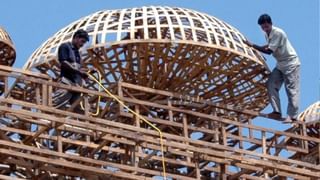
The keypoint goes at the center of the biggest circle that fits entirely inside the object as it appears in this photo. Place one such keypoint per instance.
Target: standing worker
(287, 69)
(71, 72)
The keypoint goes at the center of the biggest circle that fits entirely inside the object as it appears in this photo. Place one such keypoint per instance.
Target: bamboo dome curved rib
(7, 50)
(169, 48)
(311, 114)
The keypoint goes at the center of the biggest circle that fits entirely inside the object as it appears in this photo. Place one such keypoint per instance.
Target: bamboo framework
(186, 72)
(41, 142)
(311, 116)
(7, 53)
(7, 50)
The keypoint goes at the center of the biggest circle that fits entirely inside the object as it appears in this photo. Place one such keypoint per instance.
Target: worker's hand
(83, 74)
(266, 47)
(250, 44)
(88, 70)
(92, 70)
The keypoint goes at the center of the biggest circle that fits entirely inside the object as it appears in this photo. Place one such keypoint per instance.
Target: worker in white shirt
(287, 70)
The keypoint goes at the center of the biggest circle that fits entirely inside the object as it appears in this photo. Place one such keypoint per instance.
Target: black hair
(81, 34)
(264, 18)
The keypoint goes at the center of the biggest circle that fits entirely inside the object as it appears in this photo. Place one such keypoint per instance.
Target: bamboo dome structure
(7, 50)
(311, 114)
(7, 53)
(174, 49)
(311, 117)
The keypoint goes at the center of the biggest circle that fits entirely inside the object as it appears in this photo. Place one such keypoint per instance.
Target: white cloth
(282, 49)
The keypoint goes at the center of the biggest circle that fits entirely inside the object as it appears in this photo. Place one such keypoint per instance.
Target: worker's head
(265, 23)
(80, 37)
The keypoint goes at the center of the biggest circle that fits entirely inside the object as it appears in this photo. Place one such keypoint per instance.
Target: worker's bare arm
(264, 49)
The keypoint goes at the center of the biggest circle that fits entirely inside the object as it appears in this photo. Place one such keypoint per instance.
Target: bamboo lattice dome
(312, 113)
(7, 50)
(311, 117)
(174, 49)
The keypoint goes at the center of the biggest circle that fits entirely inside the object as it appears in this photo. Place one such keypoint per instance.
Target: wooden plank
(38, 95)
(4, 177)
(44, 94)
(198, 175)
(264, 146)
(68, 164)
(59, 140)
(250, 130)
(240, 135)
(87, 113)
(120, 93)
(137, 148)
(24, 71)
(6, 86)
(223, 172)
(170, 111)
(304, 133)
(50, 94)
(72, 157)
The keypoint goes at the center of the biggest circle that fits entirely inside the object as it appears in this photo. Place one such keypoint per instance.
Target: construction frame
(187, 73)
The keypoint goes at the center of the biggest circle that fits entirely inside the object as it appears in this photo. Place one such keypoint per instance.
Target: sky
(32, 22)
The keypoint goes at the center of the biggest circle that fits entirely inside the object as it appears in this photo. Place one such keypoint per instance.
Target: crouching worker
(71, 71)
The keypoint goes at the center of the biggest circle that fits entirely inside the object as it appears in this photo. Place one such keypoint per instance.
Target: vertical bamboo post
(44, 94)
(264, 148)
(120, 93)
(170, 111)
(50, 94)
(185, 131)
(137, 148)
(224, 167)
(87, 113)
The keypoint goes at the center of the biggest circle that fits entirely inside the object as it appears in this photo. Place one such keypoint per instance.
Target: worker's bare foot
(274, 115)
(289, 120)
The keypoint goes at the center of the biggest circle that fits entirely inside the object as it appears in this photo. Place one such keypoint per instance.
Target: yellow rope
(99, 98)
(133, 112)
